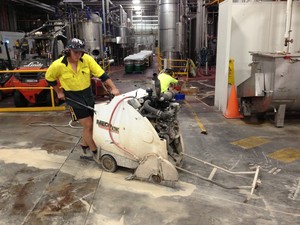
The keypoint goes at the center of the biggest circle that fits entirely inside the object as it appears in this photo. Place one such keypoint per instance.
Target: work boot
(96, 157)
(86, 153)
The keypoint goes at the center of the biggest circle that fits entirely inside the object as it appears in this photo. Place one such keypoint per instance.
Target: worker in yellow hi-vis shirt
(73, 71)
(166, 79)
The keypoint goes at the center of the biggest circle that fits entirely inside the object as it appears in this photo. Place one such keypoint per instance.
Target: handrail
(32, 109)
(23, 71)
(182, 70)
(106, 64)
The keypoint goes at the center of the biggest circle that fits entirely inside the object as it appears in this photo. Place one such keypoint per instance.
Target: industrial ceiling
(147, 6)
(30, 14)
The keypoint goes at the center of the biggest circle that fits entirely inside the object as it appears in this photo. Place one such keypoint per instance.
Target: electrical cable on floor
(54, 126)
(50, 182)
(93, 198)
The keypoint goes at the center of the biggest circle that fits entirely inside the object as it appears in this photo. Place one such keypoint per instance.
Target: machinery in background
(6, 81)
(90, 30)
(38, 49)
(272, 86)
(10, 38)
(119, 34)
(108, 35)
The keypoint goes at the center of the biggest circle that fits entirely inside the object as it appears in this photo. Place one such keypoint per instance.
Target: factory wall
(252, 26)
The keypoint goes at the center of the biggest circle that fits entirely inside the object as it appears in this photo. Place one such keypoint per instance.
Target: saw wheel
(155, 179)
(108, 163)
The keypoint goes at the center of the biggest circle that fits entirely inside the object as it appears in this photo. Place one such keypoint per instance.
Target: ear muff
(67, 52)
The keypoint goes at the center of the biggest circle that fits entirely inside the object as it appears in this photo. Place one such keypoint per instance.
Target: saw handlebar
(83, 105)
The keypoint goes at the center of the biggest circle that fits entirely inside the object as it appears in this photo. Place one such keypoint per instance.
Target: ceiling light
(136, 1)
(137, 7)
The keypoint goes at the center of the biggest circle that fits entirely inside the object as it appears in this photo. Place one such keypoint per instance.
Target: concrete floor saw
(139, 130)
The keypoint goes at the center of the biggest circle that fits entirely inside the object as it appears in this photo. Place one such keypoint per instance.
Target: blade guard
(156, 169)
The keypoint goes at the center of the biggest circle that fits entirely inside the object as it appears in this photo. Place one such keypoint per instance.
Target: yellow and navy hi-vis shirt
(165, 81)
(70, 80)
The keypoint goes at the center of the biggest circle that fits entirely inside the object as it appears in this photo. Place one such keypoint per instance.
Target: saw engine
(162, 113)
(140, 130)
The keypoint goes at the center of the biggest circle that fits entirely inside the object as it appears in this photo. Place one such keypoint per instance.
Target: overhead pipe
(38, 4)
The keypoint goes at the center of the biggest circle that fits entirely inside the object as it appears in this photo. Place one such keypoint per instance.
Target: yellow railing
(180, 66)
(159, 61)
(32, 109)
(23, 71)
(105, 64)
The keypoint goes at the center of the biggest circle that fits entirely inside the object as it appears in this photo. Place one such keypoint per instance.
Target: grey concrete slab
(44, 181)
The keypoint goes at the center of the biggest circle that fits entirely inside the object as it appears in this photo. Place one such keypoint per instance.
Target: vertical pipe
(288, 25)
(4, 18)
(190, 38)
(8, 56)
(104, 19)
(107, 12)
(199, 27)
(203, 34)
(1, 19)
(205, 39)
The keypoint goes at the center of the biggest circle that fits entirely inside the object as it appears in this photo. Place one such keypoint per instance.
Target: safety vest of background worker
(166, 79)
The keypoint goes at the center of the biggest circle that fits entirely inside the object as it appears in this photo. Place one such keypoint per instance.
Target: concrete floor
(44, 181)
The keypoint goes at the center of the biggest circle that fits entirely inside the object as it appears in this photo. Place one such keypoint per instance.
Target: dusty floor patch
(250, 142)
(286, 155)
(117, 180)
(32, 157)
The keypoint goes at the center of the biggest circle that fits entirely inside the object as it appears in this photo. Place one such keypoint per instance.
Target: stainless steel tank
(168, 17)
(91, 32)
(124, 32)
(122, 38)
(273, 84)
